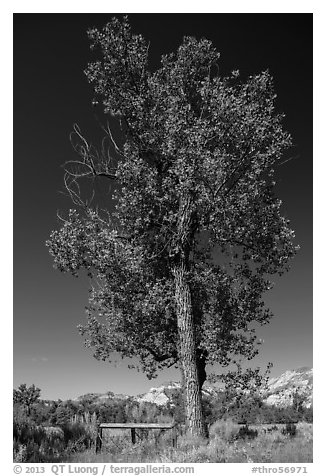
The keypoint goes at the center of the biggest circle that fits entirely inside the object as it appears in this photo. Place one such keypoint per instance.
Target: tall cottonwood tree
(181, 261)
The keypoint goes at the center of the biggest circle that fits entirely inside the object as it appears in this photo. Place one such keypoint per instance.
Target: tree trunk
(186, 331)
(185, 321)
(201, 356)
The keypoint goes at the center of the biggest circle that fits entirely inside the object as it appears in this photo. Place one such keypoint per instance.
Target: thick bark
(201, 356)
(192, 391)
(185, 321)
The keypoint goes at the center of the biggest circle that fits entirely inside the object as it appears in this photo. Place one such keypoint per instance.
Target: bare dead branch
(108, 175)
(290, 158)
(61, 219)
(82, 138)
(74, 195)
(117, 149)
(89, 165)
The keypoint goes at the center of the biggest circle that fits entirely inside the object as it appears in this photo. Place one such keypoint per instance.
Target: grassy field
(223, 446)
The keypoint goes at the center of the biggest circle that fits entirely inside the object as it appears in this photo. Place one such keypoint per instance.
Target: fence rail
(133, 427)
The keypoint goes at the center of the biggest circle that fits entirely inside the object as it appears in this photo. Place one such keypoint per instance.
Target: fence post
(99, 439)
(174, 437)
(133, 436)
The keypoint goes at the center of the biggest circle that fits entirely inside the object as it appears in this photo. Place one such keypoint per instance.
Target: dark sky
(51, 93)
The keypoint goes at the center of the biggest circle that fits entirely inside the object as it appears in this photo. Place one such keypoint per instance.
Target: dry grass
(221, 447)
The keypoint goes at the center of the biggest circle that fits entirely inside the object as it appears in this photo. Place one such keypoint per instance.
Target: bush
(227, 430)
(77, 437)
(246, 432)
(27, 441)
(290, 429)
(186, 443)
(38, 444)
(26, 431)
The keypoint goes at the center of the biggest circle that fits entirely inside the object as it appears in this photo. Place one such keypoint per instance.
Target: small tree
(183, 253)
(26, 396)
(298, 400)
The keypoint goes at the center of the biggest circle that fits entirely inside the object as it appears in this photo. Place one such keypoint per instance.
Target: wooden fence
(133, 427)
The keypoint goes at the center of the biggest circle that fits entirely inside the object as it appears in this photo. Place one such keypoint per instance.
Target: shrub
(186, 443)
(20, 455)
(27, 441)
(38, 444)
(77, 437)
(227, 430)
(35, 444)
(25, 431)
(246, 432)
(290, 429)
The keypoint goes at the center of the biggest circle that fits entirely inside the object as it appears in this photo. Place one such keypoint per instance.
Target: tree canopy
(26, 396)
(193, 231)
